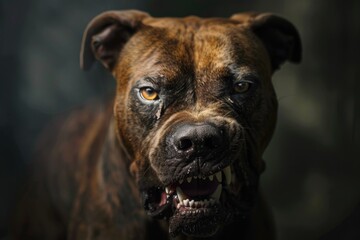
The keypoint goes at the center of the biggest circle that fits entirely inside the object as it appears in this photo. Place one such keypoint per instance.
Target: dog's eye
(242, 87)
(149, 93)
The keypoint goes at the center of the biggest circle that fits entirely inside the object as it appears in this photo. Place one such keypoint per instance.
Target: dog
(178, 152)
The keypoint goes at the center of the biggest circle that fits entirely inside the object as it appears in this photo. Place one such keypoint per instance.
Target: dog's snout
(197, 138)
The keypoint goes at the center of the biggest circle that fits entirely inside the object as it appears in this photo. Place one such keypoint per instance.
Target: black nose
(197, 138)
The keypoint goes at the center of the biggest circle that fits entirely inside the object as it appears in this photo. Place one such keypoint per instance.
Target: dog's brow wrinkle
(160, 109)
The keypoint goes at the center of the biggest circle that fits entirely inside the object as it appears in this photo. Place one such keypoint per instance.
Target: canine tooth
(178, 205)
(211, 177)
(167, 190)
(227, 173)
(180, 194)
(186, 202)
(219, 176)
(191, 203)
(217, 193)
(189, 179)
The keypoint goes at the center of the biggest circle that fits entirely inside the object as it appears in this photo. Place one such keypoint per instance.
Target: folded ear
(106, 34)
(279, 36)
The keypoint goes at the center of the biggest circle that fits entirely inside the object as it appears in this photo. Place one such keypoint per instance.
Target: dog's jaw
(199, 211)
(201, 206)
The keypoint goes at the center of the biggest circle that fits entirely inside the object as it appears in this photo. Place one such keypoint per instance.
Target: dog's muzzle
(201, 179)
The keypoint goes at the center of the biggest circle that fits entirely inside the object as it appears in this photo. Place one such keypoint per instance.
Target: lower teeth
(196, 204)
(184, 202)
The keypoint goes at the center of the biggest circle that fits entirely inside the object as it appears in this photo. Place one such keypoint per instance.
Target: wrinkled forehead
(195, 47)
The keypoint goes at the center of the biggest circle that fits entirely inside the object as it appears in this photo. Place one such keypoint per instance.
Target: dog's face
(195, 108)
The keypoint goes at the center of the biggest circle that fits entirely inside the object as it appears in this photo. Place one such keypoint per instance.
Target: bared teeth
(183, 200)
(219, 176)
(217, 193)
(227, 173)
(196, 204)
(180, 194)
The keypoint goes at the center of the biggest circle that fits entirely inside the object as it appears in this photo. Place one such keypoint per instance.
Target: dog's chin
(202, 222)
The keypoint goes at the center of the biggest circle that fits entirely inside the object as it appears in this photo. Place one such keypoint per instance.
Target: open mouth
(201, 205)
(190, 196)
(196, 194)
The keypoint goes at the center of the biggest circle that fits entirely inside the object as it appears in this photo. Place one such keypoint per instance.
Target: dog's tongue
(198, 187)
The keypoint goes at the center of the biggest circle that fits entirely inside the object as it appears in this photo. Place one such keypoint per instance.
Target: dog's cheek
(141, 118)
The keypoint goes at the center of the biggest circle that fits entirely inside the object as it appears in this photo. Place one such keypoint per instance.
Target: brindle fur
(85, 182)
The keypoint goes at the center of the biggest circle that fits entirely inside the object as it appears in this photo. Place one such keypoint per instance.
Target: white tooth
(186, 202)
(211, 177)
(227, 173)
(180, 194)
(189, 179)
(195, 177)
(219, 176)
(206, 203)
(217, 193)
(178, 206)
(181, 181)
(191, 203)
(167, 190)
(196, 204)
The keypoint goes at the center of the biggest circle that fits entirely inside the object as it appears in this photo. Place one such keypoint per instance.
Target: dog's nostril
(185, 144)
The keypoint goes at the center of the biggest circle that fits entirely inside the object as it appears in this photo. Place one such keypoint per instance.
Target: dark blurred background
(312, 179)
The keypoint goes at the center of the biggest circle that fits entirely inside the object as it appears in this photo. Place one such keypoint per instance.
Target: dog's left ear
(106, 34)
(279, 36)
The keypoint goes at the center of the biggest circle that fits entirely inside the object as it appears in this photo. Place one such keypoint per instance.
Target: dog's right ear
(105, 36)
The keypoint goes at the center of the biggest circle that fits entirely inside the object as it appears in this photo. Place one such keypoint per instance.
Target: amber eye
(242, 87)
(149, 93)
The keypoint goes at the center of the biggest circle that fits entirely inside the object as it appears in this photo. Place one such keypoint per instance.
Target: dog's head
(195, 107)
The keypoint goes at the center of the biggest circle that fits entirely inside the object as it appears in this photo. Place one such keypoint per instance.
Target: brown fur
(91, 165)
